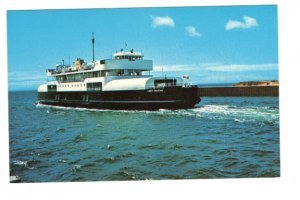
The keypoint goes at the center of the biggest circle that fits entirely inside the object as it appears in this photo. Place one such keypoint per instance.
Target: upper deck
(123, 62)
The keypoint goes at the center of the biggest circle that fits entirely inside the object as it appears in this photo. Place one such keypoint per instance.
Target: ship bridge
(125, 63)
(128, 55)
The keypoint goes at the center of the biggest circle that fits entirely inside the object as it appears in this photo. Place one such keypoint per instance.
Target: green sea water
(220, 138)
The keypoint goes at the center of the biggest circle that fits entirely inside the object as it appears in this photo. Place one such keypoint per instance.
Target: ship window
(51, 88)
(96, 74)
(94, 86)
(165, 82)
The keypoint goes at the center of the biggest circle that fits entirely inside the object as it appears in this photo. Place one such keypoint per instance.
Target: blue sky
(221, 44)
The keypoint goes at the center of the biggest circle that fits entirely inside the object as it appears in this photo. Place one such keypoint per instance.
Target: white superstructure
(127, 70)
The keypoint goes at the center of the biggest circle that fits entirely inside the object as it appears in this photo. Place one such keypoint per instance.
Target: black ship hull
(151, 99)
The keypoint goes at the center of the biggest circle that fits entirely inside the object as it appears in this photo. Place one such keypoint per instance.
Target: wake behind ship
(122, 82)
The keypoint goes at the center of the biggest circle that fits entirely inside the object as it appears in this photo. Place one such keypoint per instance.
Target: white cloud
(191, 31)
(245, 67)
(204, 73)
(217, 67)
(174, 68)
(23, 79)
(26, 78)
(26, 83)
(162, 21)
(247, 23)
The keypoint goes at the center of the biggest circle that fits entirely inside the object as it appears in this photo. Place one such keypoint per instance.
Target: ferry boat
(122, 82)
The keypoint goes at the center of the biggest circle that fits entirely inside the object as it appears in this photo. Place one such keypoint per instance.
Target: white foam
(22, 163)
(85, 109)
(210, 111)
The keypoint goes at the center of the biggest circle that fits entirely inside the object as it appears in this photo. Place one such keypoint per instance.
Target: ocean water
(220, 138)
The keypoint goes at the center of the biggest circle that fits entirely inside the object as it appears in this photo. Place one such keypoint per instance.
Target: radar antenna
(93, 42)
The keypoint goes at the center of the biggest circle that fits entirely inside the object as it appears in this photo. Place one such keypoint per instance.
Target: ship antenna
(93, 42)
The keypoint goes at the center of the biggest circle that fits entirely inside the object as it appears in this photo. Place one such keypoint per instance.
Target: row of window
(128, 58)
(78, 77)
(72, 85)
(81, 76)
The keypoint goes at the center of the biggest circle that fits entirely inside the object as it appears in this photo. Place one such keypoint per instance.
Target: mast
(93, 42)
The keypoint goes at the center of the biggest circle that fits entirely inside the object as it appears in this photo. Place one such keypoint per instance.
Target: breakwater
(234, 91)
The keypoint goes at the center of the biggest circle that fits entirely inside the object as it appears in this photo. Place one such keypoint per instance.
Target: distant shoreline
(243, 84)
(257, 83)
